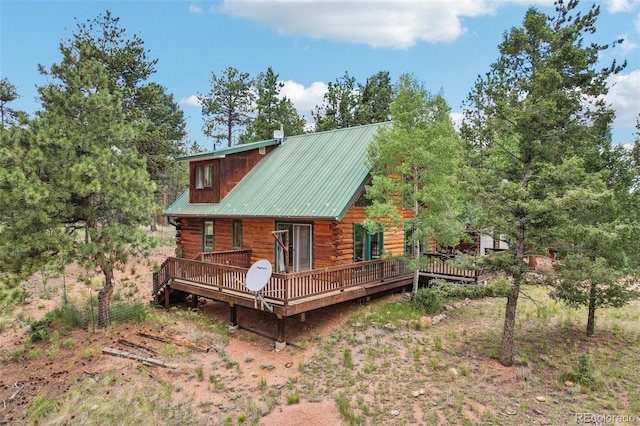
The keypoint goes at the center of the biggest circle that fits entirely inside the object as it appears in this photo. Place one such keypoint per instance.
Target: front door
(299, 240)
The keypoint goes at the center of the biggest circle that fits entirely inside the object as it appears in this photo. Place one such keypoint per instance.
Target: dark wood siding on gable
(227, 172)
(234, 167)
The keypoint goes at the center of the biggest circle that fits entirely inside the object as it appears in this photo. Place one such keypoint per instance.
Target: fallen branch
(167, 339)
(129, 343)
(12, 397)
(124, 354)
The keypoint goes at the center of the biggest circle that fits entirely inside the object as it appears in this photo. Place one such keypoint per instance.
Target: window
(204, 177)
(236, 237)
(366, 246)
(207, 236)
(408, 243)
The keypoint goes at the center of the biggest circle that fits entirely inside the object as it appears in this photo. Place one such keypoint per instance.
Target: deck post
(280, 342)
(194, 301)
(233, 319)
(166, 297)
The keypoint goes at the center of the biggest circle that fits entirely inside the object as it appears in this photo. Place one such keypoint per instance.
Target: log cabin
(298, 203)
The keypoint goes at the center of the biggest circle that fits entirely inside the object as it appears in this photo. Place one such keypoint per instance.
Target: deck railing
(240, 258)
(438, 265)
(283, 288)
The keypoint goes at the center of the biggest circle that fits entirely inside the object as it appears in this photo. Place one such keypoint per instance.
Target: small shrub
(429, 300)
(200, 373)
(293, 398)
(583, 372)
(347, 359)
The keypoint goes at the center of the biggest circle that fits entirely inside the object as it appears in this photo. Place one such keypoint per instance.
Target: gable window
(207, 236)
(204, 177)
(236, 235)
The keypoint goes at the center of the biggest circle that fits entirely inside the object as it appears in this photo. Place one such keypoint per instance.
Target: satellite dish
(258, 275)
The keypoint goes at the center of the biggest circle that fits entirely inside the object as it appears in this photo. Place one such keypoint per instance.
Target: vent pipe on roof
(279, 134)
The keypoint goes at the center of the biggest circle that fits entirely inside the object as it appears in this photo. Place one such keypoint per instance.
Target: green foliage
(583, 372)
(338, 105)
(535, 141)
(63, 318)
(429, 301)
(494, 288)
(227, 105)
(413, 165)
(272, 111)
(388, 315)
(77, 167)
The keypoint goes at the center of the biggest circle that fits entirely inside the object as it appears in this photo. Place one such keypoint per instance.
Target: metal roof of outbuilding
(310, 176)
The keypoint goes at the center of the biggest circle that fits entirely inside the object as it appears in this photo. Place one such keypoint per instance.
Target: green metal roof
(310, 176)
(221, 153)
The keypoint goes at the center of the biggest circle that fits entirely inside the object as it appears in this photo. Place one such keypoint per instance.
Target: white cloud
(619, 6)
(624, 99)
(457, 118)
(195, 9)
(191, 101)
(627, 45)
(397, 24)
(304, 98)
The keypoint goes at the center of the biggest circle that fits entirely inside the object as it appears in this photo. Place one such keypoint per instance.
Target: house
(296, 202)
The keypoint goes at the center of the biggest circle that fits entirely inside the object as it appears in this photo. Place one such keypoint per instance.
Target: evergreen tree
(9, 116)
(75, 169)
(374, 99)
(159, 122)
(413, 166)
(535, 125)
(338, 106)
(228, 104)
(272, 111)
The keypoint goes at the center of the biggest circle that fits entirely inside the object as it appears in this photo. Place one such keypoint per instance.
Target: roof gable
(310, 176)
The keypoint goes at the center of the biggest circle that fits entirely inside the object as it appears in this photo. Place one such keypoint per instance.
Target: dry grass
(378, 368)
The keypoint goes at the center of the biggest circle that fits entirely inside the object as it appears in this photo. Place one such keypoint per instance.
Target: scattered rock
(416, 394)
(438, 318)
(540, 398)
(421, 391)
(394, 412)
(453, 371)
(569, 383)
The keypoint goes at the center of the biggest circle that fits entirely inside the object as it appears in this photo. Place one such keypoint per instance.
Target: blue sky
(446, 44)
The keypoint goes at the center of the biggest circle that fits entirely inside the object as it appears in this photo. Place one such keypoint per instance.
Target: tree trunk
(591, 318)
(104, 299)
(508, 348)
(416, 273)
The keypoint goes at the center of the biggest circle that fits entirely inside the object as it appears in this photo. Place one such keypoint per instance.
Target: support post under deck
(233, 319)
(166, 297)
(280, 342)
(194, 301)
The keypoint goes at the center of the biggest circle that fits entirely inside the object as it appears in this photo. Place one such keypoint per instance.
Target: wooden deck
(288, 294)
(439, 268)
(222, 278)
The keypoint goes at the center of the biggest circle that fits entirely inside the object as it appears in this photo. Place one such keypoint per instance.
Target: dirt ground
(30, 375)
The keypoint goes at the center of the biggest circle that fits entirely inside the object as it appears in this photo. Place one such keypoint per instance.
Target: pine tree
(228, 105)
(534, 125)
